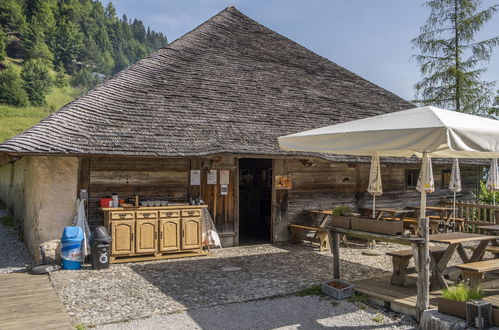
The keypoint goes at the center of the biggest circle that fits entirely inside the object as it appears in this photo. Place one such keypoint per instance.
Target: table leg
(442, 264)
(479, 251)
(399, 274)
(472, 278)
(463, 254)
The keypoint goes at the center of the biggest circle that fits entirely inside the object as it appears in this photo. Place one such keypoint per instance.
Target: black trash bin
(99, 245)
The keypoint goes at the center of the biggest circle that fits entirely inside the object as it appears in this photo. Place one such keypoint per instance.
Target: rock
(52, 251)
(432, 319)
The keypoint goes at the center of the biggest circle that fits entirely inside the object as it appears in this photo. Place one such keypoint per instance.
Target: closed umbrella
(429, 186)
(423, 132)
(493, 180)
(455, 187)
(375, 187)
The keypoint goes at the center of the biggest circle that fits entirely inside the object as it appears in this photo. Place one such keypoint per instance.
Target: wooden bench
(321, 234)
(400, 260)
(414, 222)
(474, 272)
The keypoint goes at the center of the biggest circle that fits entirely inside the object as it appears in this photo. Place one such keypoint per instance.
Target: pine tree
(37, 80)
(451, 59)
(11, 88)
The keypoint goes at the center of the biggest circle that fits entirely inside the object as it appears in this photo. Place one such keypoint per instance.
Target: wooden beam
(423, 281)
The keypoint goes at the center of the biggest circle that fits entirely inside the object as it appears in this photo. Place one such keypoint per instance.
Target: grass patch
(378, 318)
(80, 326)
(8, 221)
(461, 292)
(18, 119)
(358, 298)
(314, 290)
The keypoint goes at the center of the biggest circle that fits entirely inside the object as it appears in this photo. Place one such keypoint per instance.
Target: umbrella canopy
(375, 187)
(455, 177)
(429, 186)
(441, 133)
(493, 179)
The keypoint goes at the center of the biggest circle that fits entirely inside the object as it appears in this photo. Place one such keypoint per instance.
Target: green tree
(11, 88)
(3, 54)
(451, 59)
(11, 15)
(61, 78)
(37, 81)
(69, 44)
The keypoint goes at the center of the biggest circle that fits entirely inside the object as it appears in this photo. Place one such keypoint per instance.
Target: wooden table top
(330, 212)
(457, 237)
(392, 210)
(489, 227)
(434, 208)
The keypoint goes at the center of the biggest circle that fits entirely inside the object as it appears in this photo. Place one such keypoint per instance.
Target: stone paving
(138, 290)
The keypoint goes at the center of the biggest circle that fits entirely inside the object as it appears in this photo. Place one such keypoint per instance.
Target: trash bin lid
(72, 232)
(100, 235)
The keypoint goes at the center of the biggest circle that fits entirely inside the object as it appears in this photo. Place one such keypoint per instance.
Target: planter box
(340, 221)
(495, 316)
(336, 293)
(395, 227)
(452, 307)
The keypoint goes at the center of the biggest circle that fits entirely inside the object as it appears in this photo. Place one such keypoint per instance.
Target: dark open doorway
(255, 202)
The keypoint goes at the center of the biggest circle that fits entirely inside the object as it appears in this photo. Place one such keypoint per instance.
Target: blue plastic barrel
(71, 248)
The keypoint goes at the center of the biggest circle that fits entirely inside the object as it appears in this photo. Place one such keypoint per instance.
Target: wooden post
(423, 283)
(334, 243)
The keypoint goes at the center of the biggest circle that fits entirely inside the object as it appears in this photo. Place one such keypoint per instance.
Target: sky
(369, 37)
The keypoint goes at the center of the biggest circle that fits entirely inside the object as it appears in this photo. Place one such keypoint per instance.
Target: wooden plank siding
(317, 184)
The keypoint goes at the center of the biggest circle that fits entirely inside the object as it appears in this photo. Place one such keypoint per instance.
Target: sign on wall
(283, 182)
(224, 176)
(212, 177)
(195, 177)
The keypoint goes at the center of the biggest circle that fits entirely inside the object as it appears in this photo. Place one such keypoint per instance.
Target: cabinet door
(123, 233)
(147, 236)
(169, 235)
(191, 233)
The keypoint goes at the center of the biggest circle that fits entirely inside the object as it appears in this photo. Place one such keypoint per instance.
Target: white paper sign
(212, 177)
(224, 189)
(224, 176)
(195, 177)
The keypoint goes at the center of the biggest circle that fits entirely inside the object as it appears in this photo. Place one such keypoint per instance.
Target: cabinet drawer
(146, 215)
(191, 213)
(164, 214)
(122, 215)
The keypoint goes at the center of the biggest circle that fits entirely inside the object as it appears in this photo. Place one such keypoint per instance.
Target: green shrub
(37, 81)
(11, 88)
(461, 292)
(342, 211)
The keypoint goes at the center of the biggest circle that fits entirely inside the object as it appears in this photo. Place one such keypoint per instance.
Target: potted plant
(341, 216)
(453, 300)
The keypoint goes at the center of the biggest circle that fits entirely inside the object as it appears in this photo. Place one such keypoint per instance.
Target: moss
(314, 290)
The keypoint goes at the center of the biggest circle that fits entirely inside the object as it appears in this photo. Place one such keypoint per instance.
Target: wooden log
(334, 243)
(400, 264)
(423, 281)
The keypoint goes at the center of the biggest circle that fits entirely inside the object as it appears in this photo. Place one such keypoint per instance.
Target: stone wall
(41, 193)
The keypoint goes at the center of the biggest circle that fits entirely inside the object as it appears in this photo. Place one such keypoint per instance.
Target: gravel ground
(14, 256)
(139, 290)
(309, 312)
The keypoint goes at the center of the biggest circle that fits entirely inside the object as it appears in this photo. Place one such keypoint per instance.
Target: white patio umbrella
(423, 132)
(375, 187)
(493, 179)
(429, 186)
(455, 187)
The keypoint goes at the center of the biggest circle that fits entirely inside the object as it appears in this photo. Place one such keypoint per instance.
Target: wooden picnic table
(455, 242)
(445, 214)
(326, 215)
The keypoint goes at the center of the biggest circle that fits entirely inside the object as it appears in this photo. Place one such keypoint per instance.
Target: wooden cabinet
(154, 232)
(169, 235)
(123, 232)
(146, 236)
(191, 233)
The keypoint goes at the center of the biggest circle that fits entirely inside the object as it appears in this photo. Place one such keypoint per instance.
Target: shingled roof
(229, 86)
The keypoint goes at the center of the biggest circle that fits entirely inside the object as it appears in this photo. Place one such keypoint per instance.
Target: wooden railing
(474, 214)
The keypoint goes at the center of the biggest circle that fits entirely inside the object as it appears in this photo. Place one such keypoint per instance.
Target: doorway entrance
(255, 200)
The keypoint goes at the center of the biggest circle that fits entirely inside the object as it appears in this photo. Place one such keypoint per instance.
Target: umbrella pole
(424, 179)
(454, 214)
(374, 206)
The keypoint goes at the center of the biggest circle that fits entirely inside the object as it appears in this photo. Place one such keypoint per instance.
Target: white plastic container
(116, 201)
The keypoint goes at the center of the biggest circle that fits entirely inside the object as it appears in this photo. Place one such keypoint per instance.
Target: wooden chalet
(217, 98)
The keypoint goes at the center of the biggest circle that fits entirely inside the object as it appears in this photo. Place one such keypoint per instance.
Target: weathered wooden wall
(317, 184)
(168, 178)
